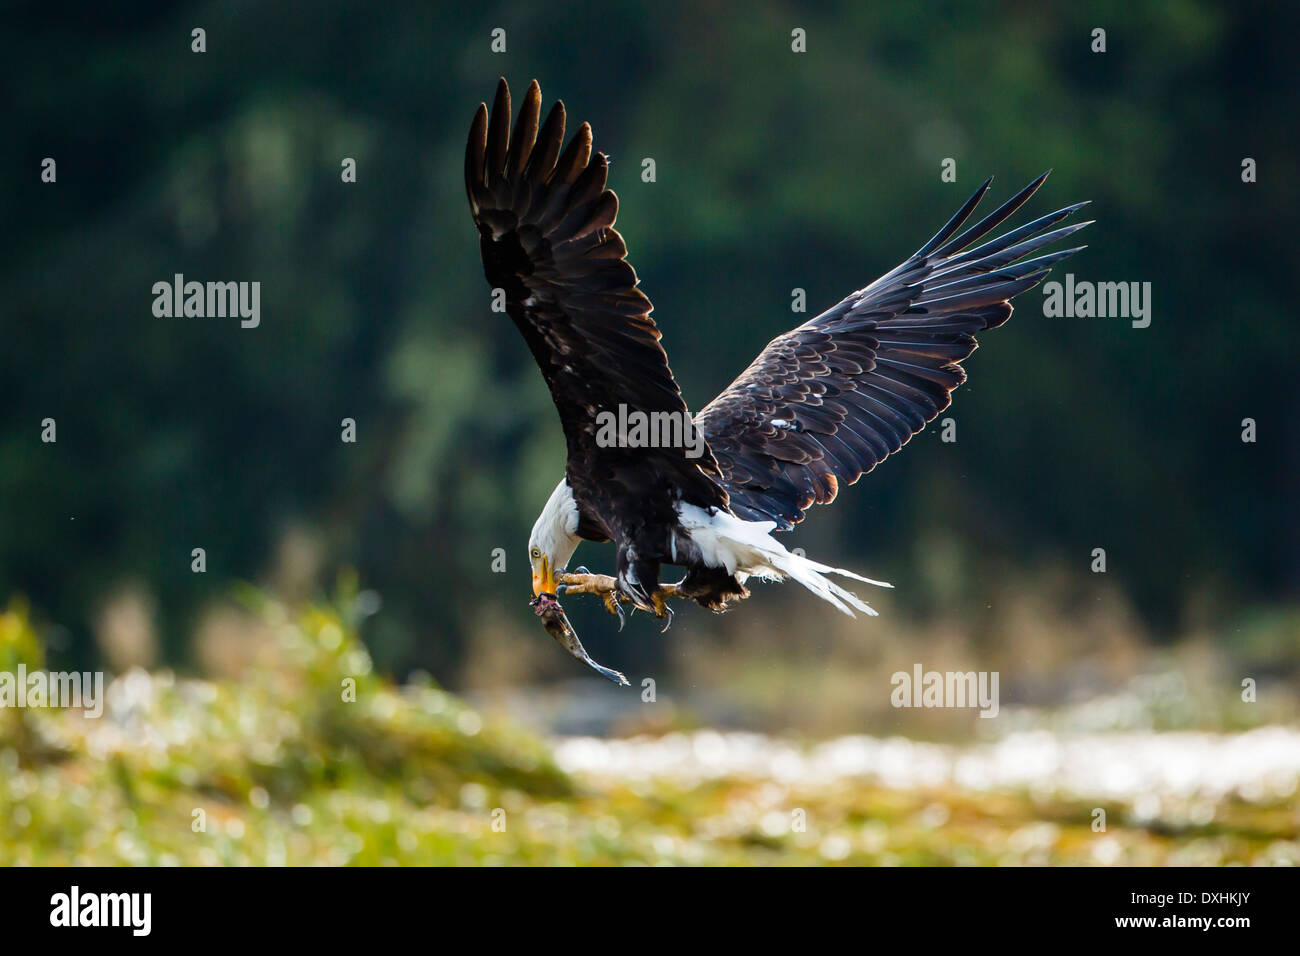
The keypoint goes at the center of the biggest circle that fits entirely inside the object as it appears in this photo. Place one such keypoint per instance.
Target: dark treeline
(774, 170)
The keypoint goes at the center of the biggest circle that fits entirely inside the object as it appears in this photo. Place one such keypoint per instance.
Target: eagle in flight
(818, 408)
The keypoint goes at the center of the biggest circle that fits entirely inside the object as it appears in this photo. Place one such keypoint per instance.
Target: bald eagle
(818, 408)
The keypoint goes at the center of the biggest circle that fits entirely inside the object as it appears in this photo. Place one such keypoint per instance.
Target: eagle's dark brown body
(818, 408)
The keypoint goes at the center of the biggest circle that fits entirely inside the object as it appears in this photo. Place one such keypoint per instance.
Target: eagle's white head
(554, 538)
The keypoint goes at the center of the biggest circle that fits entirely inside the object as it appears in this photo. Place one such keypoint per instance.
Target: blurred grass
(286, 770)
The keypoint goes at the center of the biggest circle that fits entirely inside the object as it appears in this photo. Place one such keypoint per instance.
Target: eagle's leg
(583, 583)
(604, 585)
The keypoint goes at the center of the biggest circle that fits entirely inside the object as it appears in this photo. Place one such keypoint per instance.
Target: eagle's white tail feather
(811, 574)
(748, 547)
(849, 574)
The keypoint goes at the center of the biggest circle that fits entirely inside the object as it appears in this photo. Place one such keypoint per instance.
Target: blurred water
(1257, 765)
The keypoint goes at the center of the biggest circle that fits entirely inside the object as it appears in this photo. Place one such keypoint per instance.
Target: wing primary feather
(1003, 257)
(955, 222)
(547, 149)
(575, 158)
(498, 136)
(981, 278)
(474, 153)
(521, 143)
(992, 220)
(1015, 235)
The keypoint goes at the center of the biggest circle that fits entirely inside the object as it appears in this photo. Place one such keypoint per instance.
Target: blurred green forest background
(775, 170)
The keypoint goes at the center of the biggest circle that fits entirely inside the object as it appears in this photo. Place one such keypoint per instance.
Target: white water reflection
(1257, 765)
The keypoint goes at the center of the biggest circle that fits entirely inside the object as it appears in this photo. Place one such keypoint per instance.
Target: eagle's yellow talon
(661, 597)
(659, 600)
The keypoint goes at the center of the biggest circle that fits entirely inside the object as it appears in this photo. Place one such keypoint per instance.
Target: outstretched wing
(546, 223)
(825, 403)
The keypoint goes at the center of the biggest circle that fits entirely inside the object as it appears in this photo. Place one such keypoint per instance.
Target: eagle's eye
(536, 552)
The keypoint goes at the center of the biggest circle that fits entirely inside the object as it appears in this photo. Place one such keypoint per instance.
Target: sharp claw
(668, 623)
(581, 570)
(622, 618)
(560, 589)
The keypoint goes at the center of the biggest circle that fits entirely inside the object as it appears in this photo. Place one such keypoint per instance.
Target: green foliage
(19, 642)
(311, 759)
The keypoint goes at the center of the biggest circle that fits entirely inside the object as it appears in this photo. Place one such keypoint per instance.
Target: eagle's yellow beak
(543, 577)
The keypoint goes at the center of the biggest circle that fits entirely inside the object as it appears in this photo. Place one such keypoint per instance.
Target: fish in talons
(556, 622)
